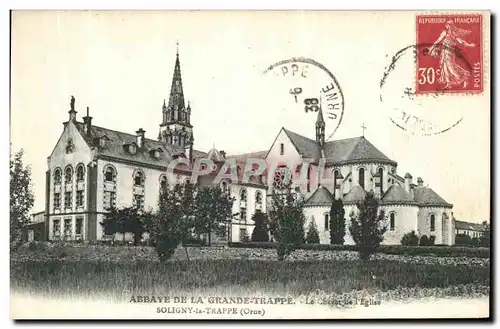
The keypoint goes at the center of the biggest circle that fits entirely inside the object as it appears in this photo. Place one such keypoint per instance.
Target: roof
(117, 140)
(215, 155)
(306, 147)
(425, 196)
(353, 150)
(397, 194)
(243, 157)
(355, 194)
(320, 197)
(461, 225)
(338, 151)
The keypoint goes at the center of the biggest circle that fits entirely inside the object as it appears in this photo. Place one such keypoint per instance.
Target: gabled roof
(425, 196)
(461, 225)
(320, 197)
(354, 195)
(338, 151)
(215, 155)
(306, 147)
(397, 194)
(353, 150)
(252, 155)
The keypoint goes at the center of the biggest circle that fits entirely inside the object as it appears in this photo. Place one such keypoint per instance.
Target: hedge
(439, 250)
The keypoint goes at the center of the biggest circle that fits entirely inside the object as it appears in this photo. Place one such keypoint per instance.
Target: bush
(424, 241)
(439, 251)
(165, 246)
(410, 239)
(312, 233)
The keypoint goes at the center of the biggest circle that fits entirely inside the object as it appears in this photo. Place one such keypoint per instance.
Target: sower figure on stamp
(445, 48)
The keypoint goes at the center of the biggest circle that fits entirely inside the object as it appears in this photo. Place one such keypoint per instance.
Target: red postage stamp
(449, 54)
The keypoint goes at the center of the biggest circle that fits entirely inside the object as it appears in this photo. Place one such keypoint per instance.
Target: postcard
(250, 165)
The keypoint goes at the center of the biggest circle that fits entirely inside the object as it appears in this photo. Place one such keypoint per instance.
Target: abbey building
(92, 168)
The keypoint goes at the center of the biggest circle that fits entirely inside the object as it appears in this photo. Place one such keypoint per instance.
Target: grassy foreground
(85, 278)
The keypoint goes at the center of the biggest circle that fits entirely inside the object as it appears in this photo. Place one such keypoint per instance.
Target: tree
(260, 232)
(286, 222)
(127, 219)
(410, 239)
(368, 226)
(21, 197)
(312, 233)
(337, 222)
(172, 223)
(213, 211)
(485, 239)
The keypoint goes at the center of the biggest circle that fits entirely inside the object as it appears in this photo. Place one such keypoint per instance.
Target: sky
(120, 64)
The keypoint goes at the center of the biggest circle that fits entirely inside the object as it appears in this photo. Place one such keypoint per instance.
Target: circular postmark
(424, 114)
(308, 88)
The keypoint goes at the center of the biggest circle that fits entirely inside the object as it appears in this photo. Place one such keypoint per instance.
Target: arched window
(433, 223)
(163, 182)
(361, 177)
(243, 194)
(68, 175)
(336, 184)
(258, 199)
(225, 187)
(57, 176)
(381, 175)
(327, 221)
(80, 173)
(392, 224)
(139, 178)
(109, 174)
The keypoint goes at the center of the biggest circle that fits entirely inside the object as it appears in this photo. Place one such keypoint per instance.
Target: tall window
(68, 175)
(225, 187)
(68, 200)
(139, 201)
(433, 223)
(258, 199)
(67, 228)
(79, 198)
(109, 174)
(79, 226)
(56, 228)
(381, 176)
(109, 199)
(336, 185)
(392, 225)
(282, 149)
(57, 176)
(361, 180)
(139, 178)
(327, 221)
(243, 195)
(243, 215)
(57, 200)
(163, 182)
(80, 173)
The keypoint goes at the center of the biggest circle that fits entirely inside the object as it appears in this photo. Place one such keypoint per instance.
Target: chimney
(140, 137)
(408, 182)
(87, 123)
(420, 182)
(223, 153)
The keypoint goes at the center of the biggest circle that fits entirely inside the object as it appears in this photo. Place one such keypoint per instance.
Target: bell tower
(176, 129)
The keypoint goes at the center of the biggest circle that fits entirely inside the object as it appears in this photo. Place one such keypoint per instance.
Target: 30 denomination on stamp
(449, 59)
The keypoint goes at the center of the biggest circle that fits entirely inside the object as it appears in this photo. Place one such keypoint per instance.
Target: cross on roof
(363, 127)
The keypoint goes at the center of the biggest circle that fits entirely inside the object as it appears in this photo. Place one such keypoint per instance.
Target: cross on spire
(177, 43)
(363, 127)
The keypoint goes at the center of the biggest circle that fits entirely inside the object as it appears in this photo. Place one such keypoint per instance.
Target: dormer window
(132, 148)
(155, 153)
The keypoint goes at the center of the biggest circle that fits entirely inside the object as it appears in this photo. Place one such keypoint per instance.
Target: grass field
(240, 276)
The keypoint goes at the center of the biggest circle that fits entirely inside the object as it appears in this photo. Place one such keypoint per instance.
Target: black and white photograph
(250, 165)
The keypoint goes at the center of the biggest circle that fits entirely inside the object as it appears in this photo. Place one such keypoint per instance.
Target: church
(92, 168)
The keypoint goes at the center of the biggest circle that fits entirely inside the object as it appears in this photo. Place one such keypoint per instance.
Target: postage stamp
(450, 57)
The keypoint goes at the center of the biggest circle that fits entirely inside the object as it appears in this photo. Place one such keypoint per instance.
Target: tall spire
(320, 126)
(176, 98)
